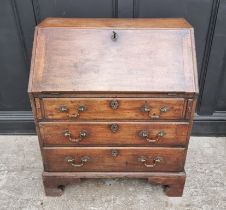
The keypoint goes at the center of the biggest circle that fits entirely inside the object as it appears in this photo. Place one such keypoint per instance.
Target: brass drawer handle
(65, 109)
(70, 160)
(147, 108)
(82, 135)
(145, 134)
(156, 161)
(164, 109)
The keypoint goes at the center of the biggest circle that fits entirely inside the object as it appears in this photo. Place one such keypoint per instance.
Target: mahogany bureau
(113, 98)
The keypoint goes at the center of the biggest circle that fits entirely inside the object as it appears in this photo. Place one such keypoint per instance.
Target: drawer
(112, 108)
(118, 159)
(114, 133)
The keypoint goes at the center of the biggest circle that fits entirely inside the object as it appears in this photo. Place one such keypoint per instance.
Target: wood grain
(99, 133)
(117, 22)
(101, 159)
(151, 64)
(87, 60)
(55, 182)
(99, 108)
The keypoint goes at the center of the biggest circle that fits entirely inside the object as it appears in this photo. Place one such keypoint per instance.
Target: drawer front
(113, 159)
(114, 133)
(109, 108)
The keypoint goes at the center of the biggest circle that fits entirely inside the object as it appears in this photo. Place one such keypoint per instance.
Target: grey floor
(21, 184)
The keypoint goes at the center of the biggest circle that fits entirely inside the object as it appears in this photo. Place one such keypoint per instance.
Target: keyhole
(114, 104)
(114, 153)
(114, 128)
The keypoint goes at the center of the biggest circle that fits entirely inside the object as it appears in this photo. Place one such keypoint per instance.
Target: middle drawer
(114, 133)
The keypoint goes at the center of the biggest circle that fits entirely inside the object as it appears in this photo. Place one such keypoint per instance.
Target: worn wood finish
(112, 66)
(173, 184)
(54, 185)
(114, 95)
(100, 109)
(100, 133)
(125, 159)
(108, 23)
(113, 98)
(55, 182)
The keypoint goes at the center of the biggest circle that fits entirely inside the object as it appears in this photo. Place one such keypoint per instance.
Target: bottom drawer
(106, 159)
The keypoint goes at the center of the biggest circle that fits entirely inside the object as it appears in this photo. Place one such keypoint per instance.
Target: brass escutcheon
(114, 152)
(114, 128)
(114, 104)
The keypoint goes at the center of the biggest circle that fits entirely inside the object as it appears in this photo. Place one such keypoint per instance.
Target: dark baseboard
(212, 125)
(17, 123)
(21, 123)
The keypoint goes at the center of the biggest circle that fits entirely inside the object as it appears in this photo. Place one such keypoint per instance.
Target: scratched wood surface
(100, 108)
(126, 159)
(113, 97)
(100, 133)
(88, 60)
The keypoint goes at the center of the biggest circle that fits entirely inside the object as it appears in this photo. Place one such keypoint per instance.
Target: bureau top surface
(113, 55)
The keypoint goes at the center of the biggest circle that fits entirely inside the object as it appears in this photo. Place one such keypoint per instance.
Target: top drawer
(114, 108)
